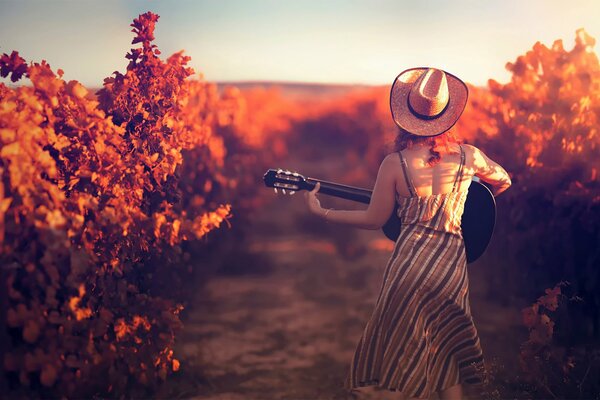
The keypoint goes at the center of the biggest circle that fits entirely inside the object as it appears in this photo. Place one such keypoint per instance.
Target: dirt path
(285, 334)
(288, 330)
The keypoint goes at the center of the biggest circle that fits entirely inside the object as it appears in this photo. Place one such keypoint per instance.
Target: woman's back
(437, 201)
(431, 179)
(439, 178)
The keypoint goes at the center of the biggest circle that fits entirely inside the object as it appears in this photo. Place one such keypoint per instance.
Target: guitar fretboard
(345, 192)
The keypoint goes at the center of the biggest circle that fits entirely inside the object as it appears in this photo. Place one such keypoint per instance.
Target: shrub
(89, 202)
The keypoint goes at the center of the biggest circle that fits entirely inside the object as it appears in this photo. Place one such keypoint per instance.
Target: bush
(90, 210)
(544, 129)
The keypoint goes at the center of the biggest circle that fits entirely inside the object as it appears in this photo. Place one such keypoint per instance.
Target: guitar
(477, 223)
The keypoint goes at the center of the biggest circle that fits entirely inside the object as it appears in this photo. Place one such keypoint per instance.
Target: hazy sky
(366, 41)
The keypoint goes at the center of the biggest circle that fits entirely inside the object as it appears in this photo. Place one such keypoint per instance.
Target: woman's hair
(406, 140)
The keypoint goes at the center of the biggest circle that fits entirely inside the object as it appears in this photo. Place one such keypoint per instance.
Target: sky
(365, 42)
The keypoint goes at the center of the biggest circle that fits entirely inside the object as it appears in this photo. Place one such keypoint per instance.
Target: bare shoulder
(474, 156)
(391, 159)
(390, 163)
(470, 149)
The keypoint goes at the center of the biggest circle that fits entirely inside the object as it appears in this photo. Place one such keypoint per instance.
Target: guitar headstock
(287, 181)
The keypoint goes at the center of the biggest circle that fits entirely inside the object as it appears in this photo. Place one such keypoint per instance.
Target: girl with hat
(421, 337)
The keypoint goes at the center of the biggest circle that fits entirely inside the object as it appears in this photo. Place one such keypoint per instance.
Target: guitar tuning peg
(283, 190)
(275, 189)
(295, 174)
(292, 191)
(279, 170)
(287, 172)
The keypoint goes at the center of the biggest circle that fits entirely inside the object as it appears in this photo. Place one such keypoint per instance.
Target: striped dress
(420, 337)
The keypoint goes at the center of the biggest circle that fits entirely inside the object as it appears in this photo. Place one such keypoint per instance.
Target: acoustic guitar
(477, 222)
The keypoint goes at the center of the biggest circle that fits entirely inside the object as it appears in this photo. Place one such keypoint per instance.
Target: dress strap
(411, 187)
(459, 173)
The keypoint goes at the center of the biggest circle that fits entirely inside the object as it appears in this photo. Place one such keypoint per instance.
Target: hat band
(423, 116)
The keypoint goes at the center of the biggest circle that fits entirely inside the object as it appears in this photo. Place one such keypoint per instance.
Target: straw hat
(427, 101)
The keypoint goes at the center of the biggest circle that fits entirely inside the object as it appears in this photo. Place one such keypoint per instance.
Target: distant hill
(297, 89)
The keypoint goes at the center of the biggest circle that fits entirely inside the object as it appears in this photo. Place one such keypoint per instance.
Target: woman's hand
(312, 202)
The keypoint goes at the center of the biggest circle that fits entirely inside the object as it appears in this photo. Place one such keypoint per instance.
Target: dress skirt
(420, 337)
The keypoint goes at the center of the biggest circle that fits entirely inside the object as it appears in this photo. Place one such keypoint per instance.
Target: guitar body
(477, 221)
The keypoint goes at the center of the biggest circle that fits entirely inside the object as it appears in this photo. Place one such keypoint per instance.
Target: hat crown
(427, 101)
(429, 94)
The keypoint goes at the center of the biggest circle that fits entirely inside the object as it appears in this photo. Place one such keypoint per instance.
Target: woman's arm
(379, 210)
(488, 170)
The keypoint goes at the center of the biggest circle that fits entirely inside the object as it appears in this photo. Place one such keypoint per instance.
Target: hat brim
(406, 119)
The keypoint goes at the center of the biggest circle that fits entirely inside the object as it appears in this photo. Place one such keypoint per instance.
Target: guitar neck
(342, 191)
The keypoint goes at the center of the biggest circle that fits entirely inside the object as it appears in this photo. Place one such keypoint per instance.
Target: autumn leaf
(550, 299)
(13, 65)
(530, 315)
(143, 27)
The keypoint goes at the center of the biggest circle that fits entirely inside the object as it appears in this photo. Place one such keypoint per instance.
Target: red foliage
(13, 65)
(543, 127)
(538, 354)
(89, 201)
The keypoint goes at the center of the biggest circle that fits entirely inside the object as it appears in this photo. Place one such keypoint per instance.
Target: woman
(421, 338)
